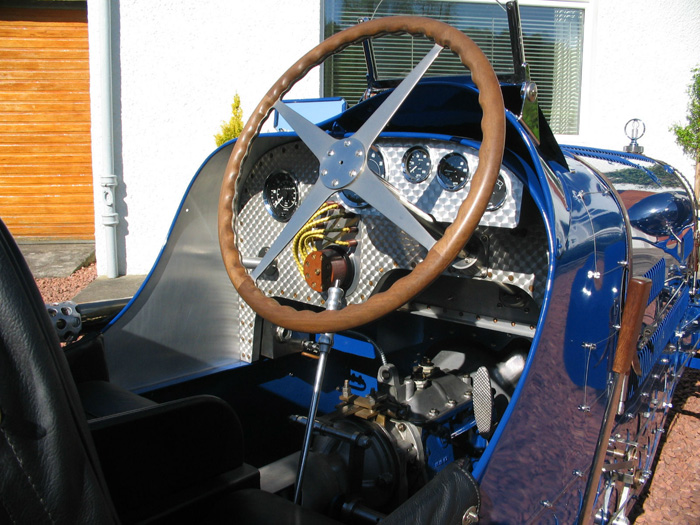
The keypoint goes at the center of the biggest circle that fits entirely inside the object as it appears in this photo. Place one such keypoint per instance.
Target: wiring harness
(323, 227)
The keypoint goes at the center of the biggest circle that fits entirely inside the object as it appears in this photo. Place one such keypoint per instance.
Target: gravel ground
(671, 496)
(57, 289)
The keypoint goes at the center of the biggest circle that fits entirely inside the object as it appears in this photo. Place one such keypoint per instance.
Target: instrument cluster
(433, 175)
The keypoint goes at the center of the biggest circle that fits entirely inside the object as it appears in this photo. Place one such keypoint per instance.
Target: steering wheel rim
(444, 250)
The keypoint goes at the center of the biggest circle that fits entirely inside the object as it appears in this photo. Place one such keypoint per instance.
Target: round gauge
(281, 195)
(498, 197)
(375, 163)
(416, 164)
(453, 171)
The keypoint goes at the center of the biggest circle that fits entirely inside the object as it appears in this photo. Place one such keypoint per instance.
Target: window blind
(553, 45)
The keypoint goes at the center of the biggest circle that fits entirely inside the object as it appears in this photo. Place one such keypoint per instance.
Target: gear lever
(325, 342)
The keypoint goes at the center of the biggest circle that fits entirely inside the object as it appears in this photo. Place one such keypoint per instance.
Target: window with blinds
(553, 38)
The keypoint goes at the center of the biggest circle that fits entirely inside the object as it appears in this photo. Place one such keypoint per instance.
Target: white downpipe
(100, 28)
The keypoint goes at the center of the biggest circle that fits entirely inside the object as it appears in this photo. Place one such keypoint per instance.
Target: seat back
(49, 472)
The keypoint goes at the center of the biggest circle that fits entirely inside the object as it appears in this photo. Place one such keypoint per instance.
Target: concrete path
(52, 259)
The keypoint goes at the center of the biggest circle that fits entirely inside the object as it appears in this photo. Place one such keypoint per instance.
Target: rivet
(470, 517)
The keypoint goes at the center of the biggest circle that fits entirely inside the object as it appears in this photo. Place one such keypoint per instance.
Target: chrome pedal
(483, 400)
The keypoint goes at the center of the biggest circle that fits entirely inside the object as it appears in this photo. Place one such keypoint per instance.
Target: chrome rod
(334, 301)
(325, 343)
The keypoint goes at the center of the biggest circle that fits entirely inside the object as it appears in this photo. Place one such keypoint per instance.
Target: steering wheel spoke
(375, 191)
(317, 140)
(311, 203)
(374, 125)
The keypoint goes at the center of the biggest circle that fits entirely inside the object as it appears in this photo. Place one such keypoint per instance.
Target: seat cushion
(101, 399)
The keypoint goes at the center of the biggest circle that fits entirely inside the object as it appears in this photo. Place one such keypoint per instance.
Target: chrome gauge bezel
(272, 202)
(445, 181)
(407, 159)
(497, 200)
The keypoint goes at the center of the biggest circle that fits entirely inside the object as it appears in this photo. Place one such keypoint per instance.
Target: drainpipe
(100, 28)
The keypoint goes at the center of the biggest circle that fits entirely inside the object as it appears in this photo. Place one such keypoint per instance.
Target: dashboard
(431, 176)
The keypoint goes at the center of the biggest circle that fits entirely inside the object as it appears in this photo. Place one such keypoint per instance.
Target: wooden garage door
(45, 161)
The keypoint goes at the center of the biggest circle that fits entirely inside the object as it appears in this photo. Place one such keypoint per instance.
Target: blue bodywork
(598, 233)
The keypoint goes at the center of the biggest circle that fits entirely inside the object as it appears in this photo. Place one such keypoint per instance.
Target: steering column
(335, 301)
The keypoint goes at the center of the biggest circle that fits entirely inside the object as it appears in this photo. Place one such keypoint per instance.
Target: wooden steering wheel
(343, 165)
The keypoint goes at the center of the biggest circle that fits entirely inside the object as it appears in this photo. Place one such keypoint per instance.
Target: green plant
(688, 137)
(232, 128)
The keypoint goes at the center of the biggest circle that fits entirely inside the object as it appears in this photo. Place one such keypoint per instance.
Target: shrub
(688, 137)
(232, 128)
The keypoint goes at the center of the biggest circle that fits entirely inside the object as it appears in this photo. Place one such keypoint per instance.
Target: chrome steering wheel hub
(345, 160)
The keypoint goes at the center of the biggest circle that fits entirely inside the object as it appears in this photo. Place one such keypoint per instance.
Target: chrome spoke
(374, 191)
(317, 140)
(374, 125)
(311, 203)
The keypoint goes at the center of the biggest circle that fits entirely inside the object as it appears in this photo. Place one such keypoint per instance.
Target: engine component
(374, 451)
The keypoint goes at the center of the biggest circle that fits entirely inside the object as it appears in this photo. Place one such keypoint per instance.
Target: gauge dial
(453, 171)
(375, 163)
(498, 197)
(281, 195)
(416, 164)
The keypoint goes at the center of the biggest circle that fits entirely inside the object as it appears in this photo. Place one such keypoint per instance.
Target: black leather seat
(160, 461)
(150, 461)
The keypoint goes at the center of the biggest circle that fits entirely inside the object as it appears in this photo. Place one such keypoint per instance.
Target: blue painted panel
(657, 274)
(314, 110)
(561, 404)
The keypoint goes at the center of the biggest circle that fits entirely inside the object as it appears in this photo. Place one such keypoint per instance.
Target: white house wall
(177, 65)
(638, 59)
